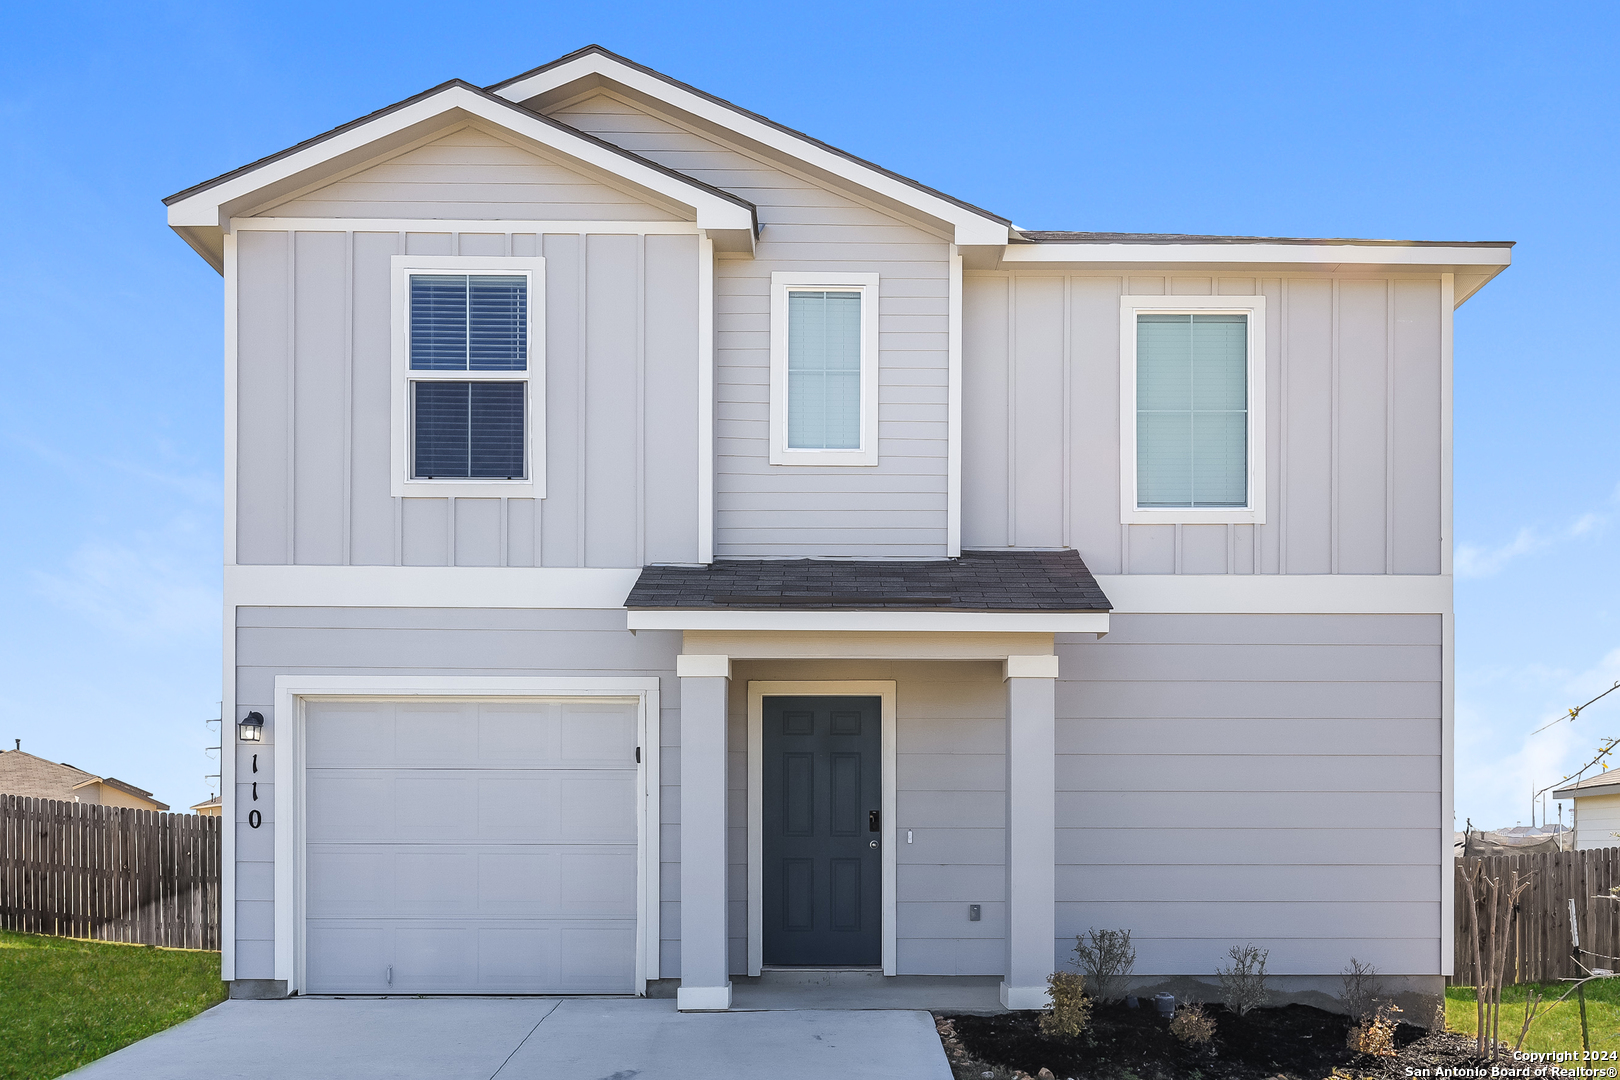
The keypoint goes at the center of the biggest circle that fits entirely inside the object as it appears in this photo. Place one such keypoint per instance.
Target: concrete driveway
(523, 1038)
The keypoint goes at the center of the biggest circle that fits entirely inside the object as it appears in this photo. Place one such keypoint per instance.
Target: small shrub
(1363, 991)
(1107, 957)
(1376, 1036)
(1192, 1025)
(1071, 1008)
(1243, 984)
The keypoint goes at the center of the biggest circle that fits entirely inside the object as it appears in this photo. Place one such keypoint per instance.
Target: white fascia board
(1573, 792)
(428, 586)
(1268, 594)
(1052, 622)
(971, 228)
(205, 208)
(1316, 256)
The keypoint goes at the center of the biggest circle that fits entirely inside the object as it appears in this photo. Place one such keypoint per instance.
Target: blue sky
(1444, 121)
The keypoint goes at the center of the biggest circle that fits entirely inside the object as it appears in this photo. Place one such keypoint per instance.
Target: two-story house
(661, 546)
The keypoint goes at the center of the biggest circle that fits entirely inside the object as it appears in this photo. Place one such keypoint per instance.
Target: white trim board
(287, 744)
(428, 586)
(1225, 594)
(461, 225)
(1316, 256)
(1021, 622)
(757, 693)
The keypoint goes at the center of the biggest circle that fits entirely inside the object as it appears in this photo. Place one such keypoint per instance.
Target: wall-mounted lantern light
(252, 727)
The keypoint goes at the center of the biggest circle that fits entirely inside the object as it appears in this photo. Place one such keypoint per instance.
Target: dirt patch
(1295, 1042)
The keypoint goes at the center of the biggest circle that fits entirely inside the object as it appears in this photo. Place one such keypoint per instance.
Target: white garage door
(470, 847)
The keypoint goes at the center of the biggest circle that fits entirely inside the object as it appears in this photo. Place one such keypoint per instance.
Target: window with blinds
(824, 370)
(463, 428)
(1192, 410)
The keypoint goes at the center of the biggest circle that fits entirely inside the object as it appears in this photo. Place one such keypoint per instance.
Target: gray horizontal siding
(472, 174)
(1352, 414)
(1271, 789)
(762, 509)
(314, 404)
(437, 641)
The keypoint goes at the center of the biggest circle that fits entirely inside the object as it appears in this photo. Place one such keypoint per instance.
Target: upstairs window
(468, 387)
(1193, 438)
(823, 369)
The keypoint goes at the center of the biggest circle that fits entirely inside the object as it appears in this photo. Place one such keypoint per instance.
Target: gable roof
(974, 225)
(201, 212)
(33, 777)
(1604, 783)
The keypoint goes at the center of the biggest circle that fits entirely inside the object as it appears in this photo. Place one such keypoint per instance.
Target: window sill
(467, 489)
(1189, 516)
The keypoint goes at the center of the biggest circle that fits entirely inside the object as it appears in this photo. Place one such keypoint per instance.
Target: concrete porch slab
(809, 988)
(526, 1039)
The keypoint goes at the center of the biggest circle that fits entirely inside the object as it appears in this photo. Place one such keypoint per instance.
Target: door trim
(286, 743)
(757, 693)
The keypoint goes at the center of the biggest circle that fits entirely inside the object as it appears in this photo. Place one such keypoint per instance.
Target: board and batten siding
(1267, 779)
(1353, 424)
(896, 508)
(313, 404)
(950, 793)
(433, 641)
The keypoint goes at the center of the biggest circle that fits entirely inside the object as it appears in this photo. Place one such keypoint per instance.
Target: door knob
(874, 843)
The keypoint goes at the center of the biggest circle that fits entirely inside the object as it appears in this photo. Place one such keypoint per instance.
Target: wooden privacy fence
(109, 872)
(1539, 946)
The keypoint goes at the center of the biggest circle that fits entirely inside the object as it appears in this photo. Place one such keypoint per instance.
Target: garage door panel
(347, 806)
(485, 956)
(474, 847)
(558, 807)
(348, 958)
(435, 734)
(438, 805)
(349, 733)
(591, 734)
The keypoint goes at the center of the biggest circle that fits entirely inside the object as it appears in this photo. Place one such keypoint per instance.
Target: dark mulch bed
(1295, 1042)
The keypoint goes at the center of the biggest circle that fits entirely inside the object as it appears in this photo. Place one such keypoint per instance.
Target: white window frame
(402, 484)
(782, 283)
(1255, 308)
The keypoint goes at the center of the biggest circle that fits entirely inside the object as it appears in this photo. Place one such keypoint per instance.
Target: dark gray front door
(822, 791)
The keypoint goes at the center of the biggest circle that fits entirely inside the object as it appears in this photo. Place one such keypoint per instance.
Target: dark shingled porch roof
(977, 581)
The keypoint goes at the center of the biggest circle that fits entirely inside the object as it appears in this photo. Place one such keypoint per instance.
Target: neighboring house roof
(599, 60)
(1604, 783)
(977, 581)
(206, 803)
(33, 777)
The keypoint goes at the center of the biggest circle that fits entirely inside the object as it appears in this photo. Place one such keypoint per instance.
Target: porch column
(1031, 829)
(705, 978)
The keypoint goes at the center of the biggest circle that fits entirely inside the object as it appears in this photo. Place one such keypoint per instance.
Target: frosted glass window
(824, 370)
(1192, 410)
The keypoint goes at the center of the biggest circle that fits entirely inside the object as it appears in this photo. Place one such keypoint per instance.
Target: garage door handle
(390, 974)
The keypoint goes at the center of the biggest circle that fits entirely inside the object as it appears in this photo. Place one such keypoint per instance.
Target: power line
(1576, 711)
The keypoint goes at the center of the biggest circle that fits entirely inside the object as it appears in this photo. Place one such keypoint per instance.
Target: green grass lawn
(1556, 1027)
(65, 1002)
